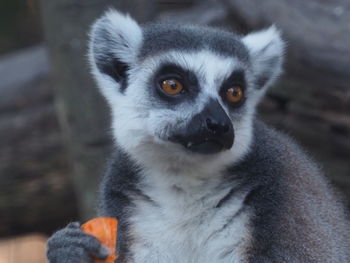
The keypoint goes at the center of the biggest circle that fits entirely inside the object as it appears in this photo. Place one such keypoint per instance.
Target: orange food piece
(105, 229)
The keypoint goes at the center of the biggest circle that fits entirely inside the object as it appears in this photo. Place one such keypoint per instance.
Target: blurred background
(54, 125)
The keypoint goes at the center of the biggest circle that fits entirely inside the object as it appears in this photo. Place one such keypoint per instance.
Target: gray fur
(164, 37)
(299, 218)
(263, 200)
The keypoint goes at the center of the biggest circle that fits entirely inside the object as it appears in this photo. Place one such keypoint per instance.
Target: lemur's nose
(210, 131)
(217, 126)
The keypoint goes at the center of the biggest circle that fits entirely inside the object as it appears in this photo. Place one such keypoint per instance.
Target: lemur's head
(183, 92)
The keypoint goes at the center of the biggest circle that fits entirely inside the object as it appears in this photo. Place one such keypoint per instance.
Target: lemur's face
(182, 90)
(192, 101)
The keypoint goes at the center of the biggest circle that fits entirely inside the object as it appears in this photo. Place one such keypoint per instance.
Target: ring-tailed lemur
(196, 177)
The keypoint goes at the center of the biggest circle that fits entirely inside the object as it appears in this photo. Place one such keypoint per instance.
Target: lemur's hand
(73, 245)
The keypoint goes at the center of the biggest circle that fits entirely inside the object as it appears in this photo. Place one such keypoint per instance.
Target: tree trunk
(34, 188)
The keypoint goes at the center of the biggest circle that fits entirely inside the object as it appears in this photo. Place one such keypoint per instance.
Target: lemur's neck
(183, 186)
(184, 190)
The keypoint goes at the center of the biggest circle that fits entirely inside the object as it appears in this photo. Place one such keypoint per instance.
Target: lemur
(196, 177)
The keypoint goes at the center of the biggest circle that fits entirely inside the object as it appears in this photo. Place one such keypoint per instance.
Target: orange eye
(172, 86)
(234, 94)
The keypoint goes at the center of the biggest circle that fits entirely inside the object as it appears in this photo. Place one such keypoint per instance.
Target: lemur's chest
(184, 228)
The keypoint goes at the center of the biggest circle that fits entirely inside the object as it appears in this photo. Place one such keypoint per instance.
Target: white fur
(141, 130)
(184, 226)
(127, 37)
(127, 33)
(265, 46)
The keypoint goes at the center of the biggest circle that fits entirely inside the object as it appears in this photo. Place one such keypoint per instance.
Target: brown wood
(28, 249)
(36, 192)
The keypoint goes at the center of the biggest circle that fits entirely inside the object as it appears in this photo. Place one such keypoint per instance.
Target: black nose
(217, 126)
(210, 131)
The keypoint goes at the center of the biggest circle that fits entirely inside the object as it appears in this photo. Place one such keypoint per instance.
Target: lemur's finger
(73, 225)
(93, 246)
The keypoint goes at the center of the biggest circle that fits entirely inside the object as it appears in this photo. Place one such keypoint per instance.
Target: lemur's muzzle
(208, 132)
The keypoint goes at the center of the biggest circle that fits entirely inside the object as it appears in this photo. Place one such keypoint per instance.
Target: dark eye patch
(237, 78)
(187, 78)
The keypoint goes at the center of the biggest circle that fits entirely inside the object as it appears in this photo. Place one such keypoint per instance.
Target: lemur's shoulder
(293, 201)
(120, 179)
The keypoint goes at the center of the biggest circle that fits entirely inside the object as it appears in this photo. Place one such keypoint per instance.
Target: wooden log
(29, 249)
(36, 193)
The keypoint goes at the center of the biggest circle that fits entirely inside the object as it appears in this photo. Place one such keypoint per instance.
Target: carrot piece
(105, 229)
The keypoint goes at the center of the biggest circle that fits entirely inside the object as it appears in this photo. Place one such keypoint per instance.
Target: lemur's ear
(266, 50)
(114, 43)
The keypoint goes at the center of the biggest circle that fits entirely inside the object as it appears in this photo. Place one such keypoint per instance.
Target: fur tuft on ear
(266, 50)
(115, 40)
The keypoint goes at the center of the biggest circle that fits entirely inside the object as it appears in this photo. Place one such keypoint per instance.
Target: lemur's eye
(234, 94)
(172, 86)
